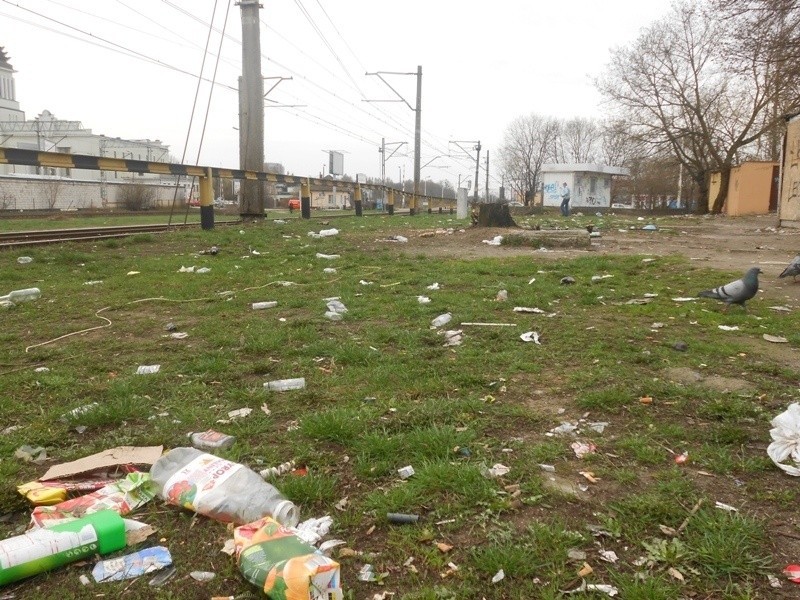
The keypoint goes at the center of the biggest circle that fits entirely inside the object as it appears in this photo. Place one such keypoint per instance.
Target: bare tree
(52, 187)
(767, 31)
(580, 139)
(617, 146)
(525, 148)
(681, 90)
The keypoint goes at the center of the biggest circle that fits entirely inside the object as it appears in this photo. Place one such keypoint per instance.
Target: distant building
(789, 205)
(589, 184)
(330, 198)
(9, 107)
(46, 133)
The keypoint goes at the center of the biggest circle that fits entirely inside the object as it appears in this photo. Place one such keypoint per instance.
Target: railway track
(17, 239)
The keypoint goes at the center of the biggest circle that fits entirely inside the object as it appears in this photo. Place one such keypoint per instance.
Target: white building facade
(589, 184)
(47, 133)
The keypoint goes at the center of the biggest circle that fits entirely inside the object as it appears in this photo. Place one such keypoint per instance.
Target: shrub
(137, 196)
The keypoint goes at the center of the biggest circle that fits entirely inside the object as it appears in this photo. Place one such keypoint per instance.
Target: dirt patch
(687, 376)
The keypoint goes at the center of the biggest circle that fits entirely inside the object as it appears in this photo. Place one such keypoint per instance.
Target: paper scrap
(113, 457)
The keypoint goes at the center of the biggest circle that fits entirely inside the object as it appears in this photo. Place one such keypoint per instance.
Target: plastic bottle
(41, 550)
(25, 295)
(263, 305)
(284, 385)
(237, 494)
(442, 320)
(211, 440)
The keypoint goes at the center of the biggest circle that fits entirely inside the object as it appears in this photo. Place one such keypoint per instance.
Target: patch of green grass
(726, 546)
(643, 449)
(439, 486)
(523, 554)
(312, 490)
(649, 588)
(659, 504)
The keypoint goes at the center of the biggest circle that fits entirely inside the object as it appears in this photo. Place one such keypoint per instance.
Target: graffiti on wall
(792, 168)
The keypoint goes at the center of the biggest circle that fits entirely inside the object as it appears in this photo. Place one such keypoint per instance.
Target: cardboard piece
(113, 457)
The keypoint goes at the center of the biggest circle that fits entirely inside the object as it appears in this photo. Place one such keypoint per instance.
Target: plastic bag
(122, 497)
(274, 559)
(786, 439)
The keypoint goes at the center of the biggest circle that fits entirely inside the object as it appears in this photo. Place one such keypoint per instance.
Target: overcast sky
(128, 68)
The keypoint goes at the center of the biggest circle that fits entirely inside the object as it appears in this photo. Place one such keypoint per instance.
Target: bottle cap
(286, 513)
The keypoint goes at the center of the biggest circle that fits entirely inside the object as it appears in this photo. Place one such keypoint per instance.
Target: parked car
(516, 204)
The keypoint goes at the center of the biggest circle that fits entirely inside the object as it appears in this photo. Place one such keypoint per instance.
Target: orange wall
(749, 189)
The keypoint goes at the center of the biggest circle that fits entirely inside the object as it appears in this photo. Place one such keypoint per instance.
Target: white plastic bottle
(284, 385)
(219, 488)
(25, 295)
(263, 305)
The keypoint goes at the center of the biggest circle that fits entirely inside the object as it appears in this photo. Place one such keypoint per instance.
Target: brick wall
(63, 193)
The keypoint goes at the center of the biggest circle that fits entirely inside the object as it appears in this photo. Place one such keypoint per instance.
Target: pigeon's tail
(709, 294)
(789, 271)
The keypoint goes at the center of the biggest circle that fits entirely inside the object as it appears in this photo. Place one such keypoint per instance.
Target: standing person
(565, 200)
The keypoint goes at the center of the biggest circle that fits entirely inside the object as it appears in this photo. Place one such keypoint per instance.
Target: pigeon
(735, 292)
(793, 269)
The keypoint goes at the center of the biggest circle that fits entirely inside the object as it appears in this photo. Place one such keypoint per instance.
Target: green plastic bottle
(41, 550)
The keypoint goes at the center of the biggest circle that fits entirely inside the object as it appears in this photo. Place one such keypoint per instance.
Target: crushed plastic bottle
(211, 440)
(239, 495)
(284, 385)
(442, 320)
(336, 305)
(24, 260)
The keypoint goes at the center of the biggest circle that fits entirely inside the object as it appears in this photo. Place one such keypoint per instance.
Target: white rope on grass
(97, 314)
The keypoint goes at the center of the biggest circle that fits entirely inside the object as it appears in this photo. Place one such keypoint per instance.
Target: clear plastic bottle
(25, 295)
(284, 385)
(219, 488)
(442, 320)
(263, 305)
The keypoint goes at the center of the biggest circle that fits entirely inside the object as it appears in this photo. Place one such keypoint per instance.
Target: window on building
(593, 185)
(65, 150)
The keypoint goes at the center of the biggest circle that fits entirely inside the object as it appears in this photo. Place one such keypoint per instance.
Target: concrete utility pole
(251, 111)
(487, 177)
(417, 123)
(477, 147)
(384, 158)
(417, 136)
(477, 168)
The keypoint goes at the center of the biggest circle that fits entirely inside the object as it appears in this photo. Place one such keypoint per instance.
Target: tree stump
(494, 214)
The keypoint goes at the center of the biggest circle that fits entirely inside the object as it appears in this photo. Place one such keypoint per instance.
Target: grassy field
(383, 392)
(74, 219)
